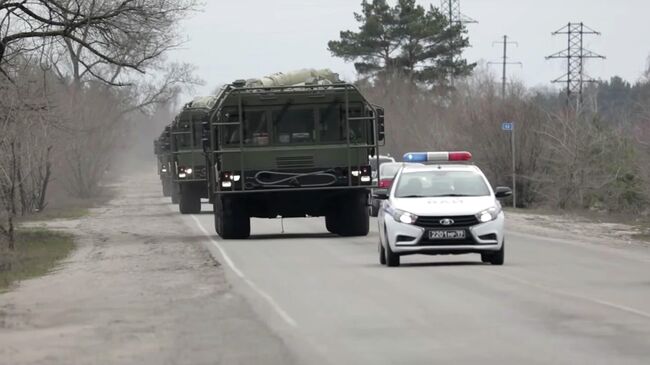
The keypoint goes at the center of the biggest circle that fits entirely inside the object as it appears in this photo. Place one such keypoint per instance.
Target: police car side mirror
(502, 192)
(380, 196)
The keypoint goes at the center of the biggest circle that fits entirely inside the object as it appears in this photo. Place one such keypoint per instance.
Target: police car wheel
(382, 254)
(496, 258)
(392, 259)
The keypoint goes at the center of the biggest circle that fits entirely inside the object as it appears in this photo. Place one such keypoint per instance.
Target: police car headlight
(488, 215)
(404, 217)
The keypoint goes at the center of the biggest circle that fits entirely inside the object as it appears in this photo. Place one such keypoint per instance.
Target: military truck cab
(188, 159)
(162, 150)
(290, 151)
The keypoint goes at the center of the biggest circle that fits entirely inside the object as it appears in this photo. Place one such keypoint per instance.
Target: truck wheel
(166, 188)
(231, 219)
(374, 209)
(190, 201)
(331, 223)
(176, 194)
(354, 216)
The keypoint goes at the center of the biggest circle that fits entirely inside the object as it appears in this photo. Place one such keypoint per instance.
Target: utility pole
(451, 9)
(575, 55)
(504, 62)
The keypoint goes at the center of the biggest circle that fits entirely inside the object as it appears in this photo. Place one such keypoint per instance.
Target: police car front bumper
(407, 239)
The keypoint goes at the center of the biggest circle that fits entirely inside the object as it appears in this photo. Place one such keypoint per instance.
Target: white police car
(441, 209)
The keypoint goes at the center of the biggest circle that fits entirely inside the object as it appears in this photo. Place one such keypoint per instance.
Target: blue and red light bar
(437, 156)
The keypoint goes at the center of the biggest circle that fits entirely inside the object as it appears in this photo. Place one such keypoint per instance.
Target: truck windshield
(183, 136)
(294, 124)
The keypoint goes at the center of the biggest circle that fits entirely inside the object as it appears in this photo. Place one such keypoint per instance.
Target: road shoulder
(138, 289)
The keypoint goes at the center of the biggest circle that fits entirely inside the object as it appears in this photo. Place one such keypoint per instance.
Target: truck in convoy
(188, 159)
(162, 148)
(291, 145)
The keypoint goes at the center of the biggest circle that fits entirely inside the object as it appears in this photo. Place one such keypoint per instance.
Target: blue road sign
(507, 126)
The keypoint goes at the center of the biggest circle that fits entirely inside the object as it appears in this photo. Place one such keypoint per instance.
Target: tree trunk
(46, 180)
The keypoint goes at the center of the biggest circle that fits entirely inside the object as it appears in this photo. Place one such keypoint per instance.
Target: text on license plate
(447, 235)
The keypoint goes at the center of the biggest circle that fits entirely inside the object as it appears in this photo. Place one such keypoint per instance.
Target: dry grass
(38, 252)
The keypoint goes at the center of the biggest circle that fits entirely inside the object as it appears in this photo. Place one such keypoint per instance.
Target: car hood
(448, 206)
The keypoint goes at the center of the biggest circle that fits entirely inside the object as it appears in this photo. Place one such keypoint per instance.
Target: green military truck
(188, 159)
(162, 149)
(291, 145)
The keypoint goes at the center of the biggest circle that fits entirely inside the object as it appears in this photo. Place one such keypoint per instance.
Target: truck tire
(190, 201)
(166, 187)
(231, 219)
(331, 223)
(175, 193)
(353, 216)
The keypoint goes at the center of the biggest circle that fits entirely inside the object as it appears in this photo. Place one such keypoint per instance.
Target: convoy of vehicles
(441, 209)
(306, 144)
(187, 155)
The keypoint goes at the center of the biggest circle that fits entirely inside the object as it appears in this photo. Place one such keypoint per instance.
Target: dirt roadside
(564, 226)
(137, 290)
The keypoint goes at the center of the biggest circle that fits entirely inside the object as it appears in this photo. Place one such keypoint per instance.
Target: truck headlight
(489, 214)
(404, 217)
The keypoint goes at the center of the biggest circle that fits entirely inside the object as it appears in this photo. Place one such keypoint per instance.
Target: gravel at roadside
(138, 290)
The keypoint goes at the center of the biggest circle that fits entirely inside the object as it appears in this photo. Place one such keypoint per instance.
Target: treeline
(564, 159)
(75, 77)
(591, 157)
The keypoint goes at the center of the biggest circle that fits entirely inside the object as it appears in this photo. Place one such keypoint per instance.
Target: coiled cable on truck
(289, 177)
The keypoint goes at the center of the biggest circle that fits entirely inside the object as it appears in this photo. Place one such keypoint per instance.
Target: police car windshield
(421, 184)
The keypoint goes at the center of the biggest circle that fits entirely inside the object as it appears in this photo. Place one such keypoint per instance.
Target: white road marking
(269, 299)
(601, 302)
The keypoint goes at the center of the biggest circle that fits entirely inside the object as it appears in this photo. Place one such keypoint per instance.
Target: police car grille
(295, 162)
(459, 221)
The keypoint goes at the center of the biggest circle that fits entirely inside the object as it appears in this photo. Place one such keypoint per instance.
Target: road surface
(556, 301)
(142, 288)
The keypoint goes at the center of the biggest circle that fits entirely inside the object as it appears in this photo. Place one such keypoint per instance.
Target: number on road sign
(507, 126)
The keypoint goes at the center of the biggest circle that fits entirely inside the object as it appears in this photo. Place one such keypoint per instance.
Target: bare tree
(122, 33)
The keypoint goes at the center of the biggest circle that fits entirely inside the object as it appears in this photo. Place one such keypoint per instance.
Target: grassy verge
(58, 213)
(38, 252)
(635, 221)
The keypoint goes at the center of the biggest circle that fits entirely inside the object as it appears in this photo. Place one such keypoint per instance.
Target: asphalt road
(556, 301)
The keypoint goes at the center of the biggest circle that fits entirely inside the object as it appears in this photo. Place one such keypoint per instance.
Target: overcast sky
(235, 39)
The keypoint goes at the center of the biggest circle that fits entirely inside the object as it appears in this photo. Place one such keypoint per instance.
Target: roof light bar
(437, 156)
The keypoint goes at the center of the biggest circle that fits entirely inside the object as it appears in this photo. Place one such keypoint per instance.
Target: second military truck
(187, 155)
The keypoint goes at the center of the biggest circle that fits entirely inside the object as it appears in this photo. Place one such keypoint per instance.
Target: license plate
(447, 235)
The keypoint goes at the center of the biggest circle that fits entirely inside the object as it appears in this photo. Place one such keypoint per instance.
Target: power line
(504, 62)
(575, 55)
(451, 10)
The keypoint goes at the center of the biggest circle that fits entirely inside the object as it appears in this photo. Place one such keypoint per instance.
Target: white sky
(235, 39)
